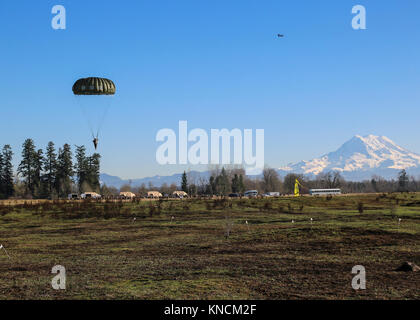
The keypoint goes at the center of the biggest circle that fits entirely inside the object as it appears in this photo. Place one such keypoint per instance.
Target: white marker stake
(247, 224)
(1, 247)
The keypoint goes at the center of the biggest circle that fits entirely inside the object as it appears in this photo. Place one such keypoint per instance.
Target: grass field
(204, 249)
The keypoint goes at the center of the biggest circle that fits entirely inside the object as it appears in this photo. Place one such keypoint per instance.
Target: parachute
(94, 98)
(94, 86)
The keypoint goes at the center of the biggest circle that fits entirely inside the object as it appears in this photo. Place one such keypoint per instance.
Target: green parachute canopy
(94, 86)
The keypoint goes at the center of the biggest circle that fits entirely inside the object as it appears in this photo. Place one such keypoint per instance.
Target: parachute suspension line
(94, 86)
(104, 115)
(86, 115)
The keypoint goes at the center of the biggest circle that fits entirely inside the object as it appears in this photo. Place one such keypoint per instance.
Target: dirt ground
(212, 249)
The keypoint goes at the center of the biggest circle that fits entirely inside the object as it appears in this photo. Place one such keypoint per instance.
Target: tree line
(48, 174)
(333, 179)
(53, 174)
(224, 181)
(221, 182)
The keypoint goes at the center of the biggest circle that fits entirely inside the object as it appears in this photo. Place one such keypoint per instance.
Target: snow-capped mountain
(360, 158)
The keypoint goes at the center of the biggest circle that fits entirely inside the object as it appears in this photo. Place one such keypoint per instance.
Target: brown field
(208, 251)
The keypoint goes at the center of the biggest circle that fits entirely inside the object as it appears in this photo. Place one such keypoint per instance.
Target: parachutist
(95, 142)
(94, 86)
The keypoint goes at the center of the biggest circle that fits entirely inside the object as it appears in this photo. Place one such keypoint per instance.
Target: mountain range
(360, 158)
(357, 159)
(156, 181)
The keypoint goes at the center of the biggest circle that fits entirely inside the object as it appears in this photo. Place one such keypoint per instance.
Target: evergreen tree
(65, 171)
(235, 184)
(81, 168)
(222, 182)
(402, 181)
(374, 185)
(50, 168)
(184, 183)
(2, 186)
(241, 184)
(209, 186)
(39, 183)
(94, 172)
(7, 172)
(27, 166)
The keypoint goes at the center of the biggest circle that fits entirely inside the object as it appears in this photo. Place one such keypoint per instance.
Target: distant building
(127, 195)
(154, 194)
(73, 196)
(324, 192)
(251, 193)
(271, 194)
(179, 194)
(90, 195)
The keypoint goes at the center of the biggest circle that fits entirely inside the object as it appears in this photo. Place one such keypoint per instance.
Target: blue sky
(217, 64)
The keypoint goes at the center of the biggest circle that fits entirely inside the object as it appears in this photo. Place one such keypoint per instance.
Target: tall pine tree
(27, 166)
(81, 168)
(222, 182)
(184, 182)
(235, 183)
(403, 181)
(39, 183)
(94, 171)
(50, 169)
(241, 184)
(7, 172)
(65, 171)
(2, 193)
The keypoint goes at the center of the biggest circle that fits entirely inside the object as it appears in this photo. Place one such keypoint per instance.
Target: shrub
(186, 207)
(267, 205)
(152, 209)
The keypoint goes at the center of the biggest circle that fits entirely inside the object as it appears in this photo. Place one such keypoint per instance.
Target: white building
(251, 193)
(90, 195)
(154, 194)
(127, 195)
(324, 192)
(179, 194)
